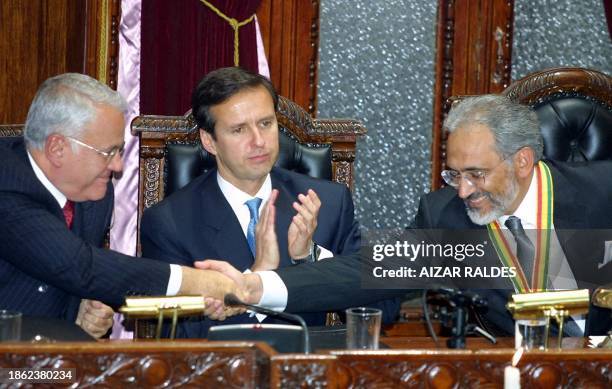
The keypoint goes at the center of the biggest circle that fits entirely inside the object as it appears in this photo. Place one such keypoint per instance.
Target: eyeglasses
(475, 177)
(108, 155)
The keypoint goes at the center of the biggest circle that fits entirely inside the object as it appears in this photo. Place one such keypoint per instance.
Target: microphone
(231, 300)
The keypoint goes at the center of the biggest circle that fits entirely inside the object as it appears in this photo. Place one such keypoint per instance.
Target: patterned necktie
(68, 213)
(253, 205)
(525, 251)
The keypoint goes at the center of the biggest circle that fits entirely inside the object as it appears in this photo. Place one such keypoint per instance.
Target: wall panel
(42, 38)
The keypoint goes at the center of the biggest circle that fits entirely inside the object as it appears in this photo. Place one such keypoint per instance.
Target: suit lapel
(569, 215)
(221, 226)
(568, 206)
(32, 184)
(284, 214)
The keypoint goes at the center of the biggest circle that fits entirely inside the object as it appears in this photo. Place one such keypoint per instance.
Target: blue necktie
(253, 205)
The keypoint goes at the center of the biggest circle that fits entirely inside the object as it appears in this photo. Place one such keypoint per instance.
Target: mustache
(476, 195)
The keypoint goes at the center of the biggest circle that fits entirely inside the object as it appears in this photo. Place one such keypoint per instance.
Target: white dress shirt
(176, 273)
(275, 292)
(560, 276)
(237, 200)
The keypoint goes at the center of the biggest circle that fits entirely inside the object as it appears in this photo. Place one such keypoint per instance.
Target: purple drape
(184, 40)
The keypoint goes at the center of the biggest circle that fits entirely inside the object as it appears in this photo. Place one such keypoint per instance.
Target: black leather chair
(171, 154)
(574, 106)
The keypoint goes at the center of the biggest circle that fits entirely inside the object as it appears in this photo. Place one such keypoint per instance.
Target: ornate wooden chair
(171, 154)
(11, 130)
(574, 106)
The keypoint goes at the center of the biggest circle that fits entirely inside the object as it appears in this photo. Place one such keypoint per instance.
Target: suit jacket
(45, 269)
(582, 200)
(197, 222)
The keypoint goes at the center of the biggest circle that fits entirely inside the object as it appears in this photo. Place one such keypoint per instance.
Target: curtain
(184, 40)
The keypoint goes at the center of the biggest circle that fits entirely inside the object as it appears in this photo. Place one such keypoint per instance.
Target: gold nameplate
(556, 305)
(151, 307)
(603, 297)
(160, 307)
(525, 305)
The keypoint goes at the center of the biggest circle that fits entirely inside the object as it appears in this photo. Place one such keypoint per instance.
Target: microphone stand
(460, 301)
(232, 300)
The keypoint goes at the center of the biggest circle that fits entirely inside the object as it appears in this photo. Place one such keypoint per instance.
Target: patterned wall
(560, 33)
(377, 64)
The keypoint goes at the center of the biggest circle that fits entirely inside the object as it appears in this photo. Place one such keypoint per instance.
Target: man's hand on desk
(249, 285)
(266, 244)
(213, 286)
(94, 317)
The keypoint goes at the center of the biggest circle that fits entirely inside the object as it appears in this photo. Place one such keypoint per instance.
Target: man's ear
(524, 160)
(55, 149)
(208, 142)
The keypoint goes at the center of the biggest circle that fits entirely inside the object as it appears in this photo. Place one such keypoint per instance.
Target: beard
(499, 204)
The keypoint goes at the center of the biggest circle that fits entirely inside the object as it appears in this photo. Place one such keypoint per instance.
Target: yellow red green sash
(542, 244)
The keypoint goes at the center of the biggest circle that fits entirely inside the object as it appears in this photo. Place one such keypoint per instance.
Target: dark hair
(218, 86)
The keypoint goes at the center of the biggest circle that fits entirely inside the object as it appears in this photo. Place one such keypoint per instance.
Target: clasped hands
(248, 286)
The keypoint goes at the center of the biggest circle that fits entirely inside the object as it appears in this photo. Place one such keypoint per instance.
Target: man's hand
(207, 283)
(213, 286)
(217, 311)
(248, 284)
(94, 317)
(267, 256)
(303, 225)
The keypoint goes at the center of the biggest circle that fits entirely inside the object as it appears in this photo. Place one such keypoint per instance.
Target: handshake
(215, 279)
(218, 280)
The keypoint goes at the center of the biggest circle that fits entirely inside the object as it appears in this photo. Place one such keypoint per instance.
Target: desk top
(404, 342)
(254, 365)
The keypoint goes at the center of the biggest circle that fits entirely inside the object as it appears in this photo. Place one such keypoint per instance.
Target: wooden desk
(423, 366)
(195, 363)
(120, 364)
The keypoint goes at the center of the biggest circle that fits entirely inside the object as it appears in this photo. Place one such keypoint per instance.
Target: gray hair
(64, 104)
(513, 125)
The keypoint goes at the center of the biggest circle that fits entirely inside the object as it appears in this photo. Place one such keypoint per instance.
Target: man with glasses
(56, 204)
(497, 181)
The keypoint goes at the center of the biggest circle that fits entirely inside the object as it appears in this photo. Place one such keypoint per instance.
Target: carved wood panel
(443, 369)
(155, 364)
(40, 39)
(473, 56)
(290, 33)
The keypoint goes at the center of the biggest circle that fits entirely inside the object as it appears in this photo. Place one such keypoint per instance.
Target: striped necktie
(525, 251)
(68, 213)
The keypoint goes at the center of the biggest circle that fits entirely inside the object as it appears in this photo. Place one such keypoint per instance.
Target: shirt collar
(59, 196)
(528, 208)
(236, 197)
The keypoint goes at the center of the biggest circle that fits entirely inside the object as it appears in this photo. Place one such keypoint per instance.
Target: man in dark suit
(56, 202)
(210, 218)
(495, 173)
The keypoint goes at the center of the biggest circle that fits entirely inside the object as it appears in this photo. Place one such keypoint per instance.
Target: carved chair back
(574, 107)
(171, 154)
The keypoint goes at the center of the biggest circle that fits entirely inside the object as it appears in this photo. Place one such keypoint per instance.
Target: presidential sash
(542, 245)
